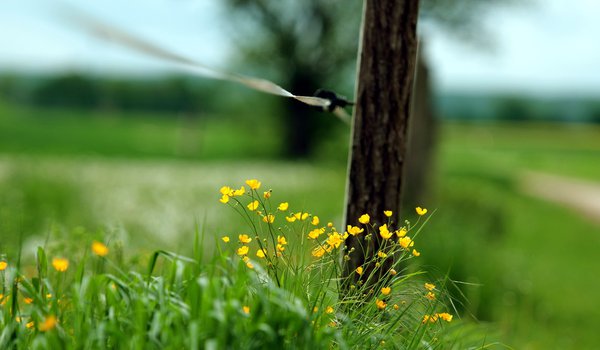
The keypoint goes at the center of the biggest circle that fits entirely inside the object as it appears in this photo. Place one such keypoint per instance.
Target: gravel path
(583, 196)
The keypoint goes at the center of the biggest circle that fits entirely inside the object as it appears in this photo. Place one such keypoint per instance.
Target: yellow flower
(396, 307)
(314, 234)
(48, 324)
(60, 264)
(335, 240)
(315, 310)
(430, 296)
(30, 325)
(290, 218)
(364, 219)
(253, 183)
(330, 224)
(359, 270)
(384, 232)
(421, 211)
(3, 265)
(261, 253)
(445, 316)
(249, 265)
(99, 249)
(425, 318)
(380, 304)
(253, 205)
(354, 230)
(243, 250)
(387, 213)
(386, 290)
(225, 239)
(315, 220)
(267, 194)
(301, 216)
(244, 239)
(28, 300)
(269, 218)
(280, 247)
(224, 199)
(329, 310)
(393, 272)
(415, 252)
(281, 240)
(226, 191)
(246, 309)
(381, 254)
(401, 232)
(318, 252)
(429, 286)
(239, 192)
(406, 242)
(283, 206)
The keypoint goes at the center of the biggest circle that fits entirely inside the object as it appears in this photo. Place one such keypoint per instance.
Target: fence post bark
(385, 77)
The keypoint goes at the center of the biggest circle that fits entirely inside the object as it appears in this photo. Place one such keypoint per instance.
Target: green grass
(533, 260)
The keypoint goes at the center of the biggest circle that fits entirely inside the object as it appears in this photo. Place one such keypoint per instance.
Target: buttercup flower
(48, 324)
(415, 252)
(226, 191)
(267, 194)
(239, 192)
(290, 218)
(225, 239)
(283, 206)
(329, 310)
(269, 218)
(406, 242)
(354, 230)
(253, 205)
(244, 239)
(430, 296)
(261, 253)
(384, 232)
(380, 304)
(253, 183)
(224, 199)
(429, 286)
(364, 219)
(386, 290)
(60, 264)
(314, 234)
(381, 254)
(99, 249)
(359, 270)
(387, 213)
(421, 211)
(315, 220)
(401, 232)
(3, 265)
(318, 252)
(243, 250)
(246, 310)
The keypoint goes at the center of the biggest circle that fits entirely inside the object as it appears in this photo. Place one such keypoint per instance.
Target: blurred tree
(311, 43)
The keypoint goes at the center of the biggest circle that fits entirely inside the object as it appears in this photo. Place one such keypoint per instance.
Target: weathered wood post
(386, 71)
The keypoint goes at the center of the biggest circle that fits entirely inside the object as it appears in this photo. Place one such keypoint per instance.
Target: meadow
(144, 183)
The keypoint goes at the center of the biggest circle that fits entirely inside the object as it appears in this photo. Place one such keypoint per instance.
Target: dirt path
(583, 196)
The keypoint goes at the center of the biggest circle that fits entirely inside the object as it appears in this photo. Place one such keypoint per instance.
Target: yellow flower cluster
(438, 316)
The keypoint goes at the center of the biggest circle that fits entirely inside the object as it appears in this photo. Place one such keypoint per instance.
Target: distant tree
(311, 44)
(68, 90)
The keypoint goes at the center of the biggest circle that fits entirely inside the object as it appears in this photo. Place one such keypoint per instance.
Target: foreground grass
(277, 299)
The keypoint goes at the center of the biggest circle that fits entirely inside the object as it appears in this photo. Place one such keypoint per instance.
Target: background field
(529, 264)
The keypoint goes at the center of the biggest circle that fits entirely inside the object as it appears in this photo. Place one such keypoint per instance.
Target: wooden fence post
(385, 77)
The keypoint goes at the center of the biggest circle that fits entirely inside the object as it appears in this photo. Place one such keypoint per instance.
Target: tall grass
(288, 296)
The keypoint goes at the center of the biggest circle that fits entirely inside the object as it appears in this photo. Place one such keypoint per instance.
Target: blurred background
(99, 141)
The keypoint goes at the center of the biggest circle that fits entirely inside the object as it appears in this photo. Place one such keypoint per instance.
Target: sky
(544, 47)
